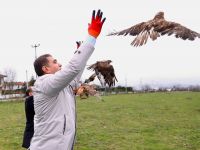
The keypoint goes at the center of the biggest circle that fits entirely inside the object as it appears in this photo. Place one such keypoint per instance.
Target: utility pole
(26, 79)
(126, 84)
(141, 84)
(35, 47)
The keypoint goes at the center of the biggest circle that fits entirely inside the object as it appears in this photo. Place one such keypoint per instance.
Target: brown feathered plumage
(85, 90)
(82, 92)
(91, 78)
(155, 28)
(105, 72)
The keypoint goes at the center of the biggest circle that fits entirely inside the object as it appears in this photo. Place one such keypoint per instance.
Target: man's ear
(45, 69)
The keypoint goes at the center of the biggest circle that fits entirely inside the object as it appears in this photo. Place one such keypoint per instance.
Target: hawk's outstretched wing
(91, 78)
(104, 72)
(155, 28)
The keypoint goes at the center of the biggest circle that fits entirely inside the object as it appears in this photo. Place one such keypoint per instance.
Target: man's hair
(40, 62)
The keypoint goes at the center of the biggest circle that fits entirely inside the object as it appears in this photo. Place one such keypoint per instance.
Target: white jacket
(54, 104)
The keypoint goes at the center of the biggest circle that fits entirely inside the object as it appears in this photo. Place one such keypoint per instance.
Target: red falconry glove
(94, 28)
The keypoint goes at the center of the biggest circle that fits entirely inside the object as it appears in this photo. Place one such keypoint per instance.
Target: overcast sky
(57, 24)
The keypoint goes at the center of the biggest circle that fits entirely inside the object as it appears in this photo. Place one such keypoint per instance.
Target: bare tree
(9, 80)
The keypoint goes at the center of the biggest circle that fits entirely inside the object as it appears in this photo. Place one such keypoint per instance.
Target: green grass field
(151, 121)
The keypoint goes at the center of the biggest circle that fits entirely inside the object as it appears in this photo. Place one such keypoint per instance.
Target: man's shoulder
(40, 81)
(42, 78)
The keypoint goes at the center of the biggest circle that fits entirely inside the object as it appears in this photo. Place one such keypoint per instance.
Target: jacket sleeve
(75, 82)
(54, 83)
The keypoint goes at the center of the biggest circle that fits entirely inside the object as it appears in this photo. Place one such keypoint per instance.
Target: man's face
(52, 67)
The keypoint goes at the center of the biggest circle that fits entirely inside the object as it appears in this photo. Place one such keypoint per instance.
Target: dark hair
(28, 90)
(40, 62)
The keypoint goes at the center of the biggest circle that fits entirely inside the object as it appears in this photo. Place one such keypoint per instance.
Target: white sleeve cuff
(90, 39)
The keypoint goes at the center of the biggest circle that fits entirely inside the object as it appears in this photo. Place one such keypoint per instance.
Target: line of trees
(9, 84)
(148, 88)
(118, 89)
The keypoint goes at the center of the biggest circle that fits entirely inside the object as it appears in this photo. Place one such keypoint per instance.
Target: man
(54, 100)
(29, 112)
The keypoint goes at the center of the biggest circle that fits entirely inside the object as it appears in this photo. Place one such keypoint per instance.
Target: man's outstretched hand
(94, 28)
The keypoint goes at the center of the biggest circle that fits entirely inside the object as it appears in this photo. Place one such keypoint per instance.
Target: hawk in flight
(155, 28)
(104, 72)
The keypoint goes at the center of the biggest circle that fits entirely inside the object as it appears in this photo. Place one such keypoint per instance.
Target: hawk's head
(159, 15)
(109, 61)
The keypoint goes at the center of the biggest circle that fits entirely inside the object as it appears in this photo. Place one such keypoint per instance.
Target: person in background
(29, 112)
(53, 91)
